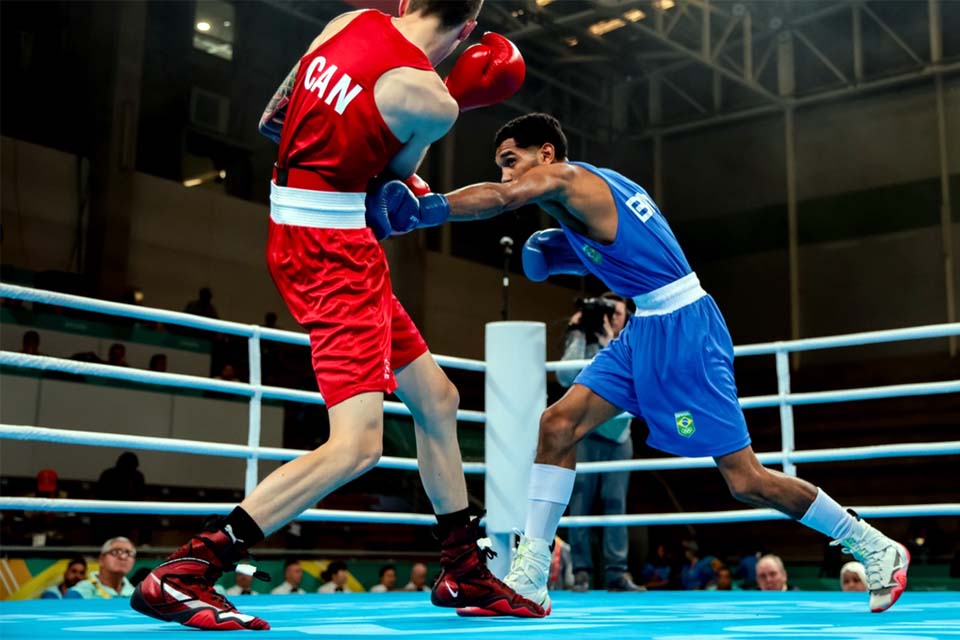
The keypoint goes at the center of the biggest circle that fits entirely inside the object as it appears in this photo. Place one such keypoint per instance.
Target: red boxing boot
(466, 583)
(181, 589)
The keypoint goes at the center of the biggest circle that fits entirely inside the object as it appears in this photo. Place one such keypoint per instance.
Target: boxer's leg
(354, 447)
(433, 402)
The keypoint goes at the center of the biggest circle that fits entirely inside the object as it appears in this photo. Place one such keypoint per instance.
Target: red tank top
(333, 127)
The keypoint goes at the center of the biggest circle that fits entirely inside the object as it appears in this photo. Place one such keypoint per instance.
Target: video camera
(592, 312)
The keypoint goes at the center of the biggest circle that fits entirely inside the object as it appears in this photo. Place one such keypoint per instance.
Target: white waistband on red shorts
(670, 297)
(322, 209)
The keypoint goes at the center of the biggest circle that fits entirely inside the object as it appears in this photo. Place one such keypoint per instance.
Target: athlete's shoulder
(417, 96)
(335, 26)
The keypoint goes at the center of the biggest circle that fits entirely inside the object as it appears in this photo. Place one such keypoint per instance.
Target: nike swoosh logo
(454, 592)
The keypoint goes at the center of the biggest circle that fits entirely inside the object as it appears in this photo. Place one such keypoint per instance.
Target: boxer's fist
(486, 73)
(417, 185)
(547, 253)
(393, 209)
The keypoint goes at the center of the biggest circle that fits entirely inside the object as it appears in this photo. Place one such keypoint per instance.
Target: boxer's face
(515, 161)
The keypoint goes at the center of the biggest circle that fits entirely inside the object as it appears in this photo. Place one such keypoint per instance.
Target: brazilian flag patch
(684, 424)
(592, 254)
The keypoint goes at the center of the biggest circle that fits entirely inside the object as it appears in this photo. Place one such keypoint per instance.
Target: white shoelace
(869, 552)
(527, 567)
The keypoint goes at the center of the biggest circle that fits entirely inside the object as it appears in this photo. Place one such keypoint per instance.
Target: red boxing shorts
(336, 283)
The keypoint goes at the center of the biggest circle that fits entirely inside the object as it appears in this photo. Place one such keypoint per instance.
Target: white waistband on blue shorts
(670, 297)
(323, 209)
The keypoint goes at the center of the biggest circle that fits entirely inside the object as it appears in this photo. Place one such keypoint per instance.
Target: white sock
(548, 496)
(828, 517)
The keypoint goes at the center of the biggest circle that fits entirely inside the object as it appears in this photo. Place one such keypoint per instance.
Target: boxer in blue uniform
(672, 364)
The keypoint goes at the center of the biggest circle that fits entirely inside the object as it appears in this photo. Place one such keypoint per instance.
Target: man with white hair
(771, 574)
(853, 577)
(117, 556)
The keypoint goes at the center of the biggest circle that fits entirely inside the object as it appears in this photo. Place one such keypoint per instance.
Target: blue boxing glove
(393, 209)
(547, 253)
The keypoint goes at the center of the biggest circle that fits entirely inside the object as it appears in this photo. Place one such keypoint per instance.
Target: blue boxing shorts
(675, 369)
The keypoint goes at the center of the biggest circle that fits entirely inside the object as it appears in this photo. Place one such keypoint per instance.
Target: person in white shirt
(388, 579)
(292, 577)
(418, 578)
(243, 586)
(335, 578)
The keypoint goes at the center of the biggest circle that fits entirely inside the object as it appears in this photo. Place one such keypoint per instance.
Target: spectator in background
(243, 586)
(853, 577)
(31, 343)
(47, 485)
(123, 481)
(334, 578)
(117, 556)
(203, 305)
(117, 356)
(292, 577)
(158, 362)
(656, 571)
(228, 372)
(772, 575)
(591, 329)
(724, 581)
(388, 579)
(75, 572)
(697, 572)
(418, 578)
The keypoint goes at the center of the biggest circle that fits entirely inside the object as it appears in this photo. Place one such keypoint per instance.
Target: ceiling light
(193, 182)
(634, 15)
(203, 26)
(663, 5)
(571, 41)
(606, 26)
(543, 3)
(227, 24)
(517, 13)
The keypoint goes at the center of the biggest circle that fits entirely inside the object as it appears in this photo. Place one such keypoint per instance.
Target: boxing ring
(515, 378)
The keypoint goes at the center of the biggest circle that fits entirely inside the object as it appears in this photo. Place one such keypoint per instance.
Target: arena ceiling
(641, 68)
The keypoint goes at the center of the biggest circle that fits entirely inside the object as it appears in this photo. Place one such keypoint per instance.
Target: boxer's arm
(271, 122)
(418, 110)
(544, 183)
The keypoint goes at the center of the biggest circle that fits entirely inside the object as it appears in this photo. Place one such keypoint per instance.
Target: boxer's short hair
(451, 12)
(535, 130)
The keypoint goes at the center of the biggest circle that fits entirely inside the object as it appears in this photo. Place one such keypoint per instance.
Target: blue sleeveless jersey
(645, 255)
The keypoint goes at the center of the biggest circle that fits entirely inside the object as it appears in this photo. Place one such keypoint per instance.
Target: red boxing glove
(486, 73)
(418, 185)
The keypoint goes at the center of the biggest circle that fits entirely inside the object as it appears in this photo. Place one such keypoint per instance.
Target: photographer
(599, 321)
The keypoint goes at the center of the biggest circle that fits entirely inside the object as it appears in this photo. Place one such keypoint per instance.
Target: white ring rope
(188, 320)
(329, 515)
(747, 515)
(47, 363)
(808, 344)
(777, 457)
(192, 447)
(196, 447)
(202, 509)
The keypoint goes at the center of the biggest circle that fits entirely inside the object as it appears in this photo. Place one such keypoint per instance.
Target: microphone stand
(507, 243)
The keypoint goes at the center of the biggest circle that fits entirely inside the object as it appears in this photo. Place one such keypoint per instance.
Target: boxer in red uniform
(363, 102)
